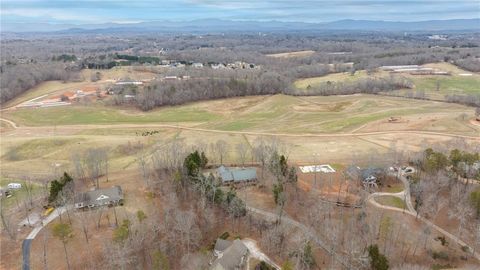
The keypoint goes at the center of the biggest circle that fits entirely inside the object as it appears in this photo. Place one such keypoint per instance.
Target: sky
(132, 11)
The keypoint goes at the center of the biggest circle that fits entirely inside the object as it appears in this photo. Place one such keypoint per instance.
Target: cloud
(90, 11)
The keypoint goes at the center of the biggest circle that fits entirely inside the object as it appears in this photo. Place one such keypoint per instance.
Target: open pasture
(434, 86)
(291, 54)
(270, 114)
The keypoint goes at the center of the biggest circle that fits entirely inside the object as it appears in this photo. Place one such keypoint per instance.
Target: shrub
(378, 261)
(224, 235)
(442, 240)
(441, 255)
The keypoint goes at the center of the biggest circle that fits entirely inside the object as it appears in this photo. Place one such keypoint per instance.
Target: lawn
(394, 188)
(391, 201)
(18, 195)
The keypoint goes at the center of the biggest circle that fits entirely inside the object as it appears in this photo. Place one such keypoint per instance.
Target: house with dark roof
(230, 255)
(100, 197)
(230, 175)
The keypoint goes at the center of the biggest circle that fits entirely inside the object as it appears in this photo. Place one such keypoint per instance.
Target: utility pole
(315, 168)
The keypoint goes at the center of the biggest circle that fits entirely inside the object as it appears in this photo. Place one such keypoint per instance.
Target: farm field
(270, 114)
(303, 84)
(47, 136)
(456, 83)
(291, 54)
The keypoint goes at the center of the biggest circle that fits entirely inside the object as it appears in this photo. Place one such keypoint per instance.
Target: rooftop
(237, 174)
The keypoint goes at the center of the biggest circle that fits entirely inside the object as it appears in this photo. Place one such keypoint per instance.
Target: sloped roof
(221, 245)
(100, 196)
(237, 174)
(232, 257)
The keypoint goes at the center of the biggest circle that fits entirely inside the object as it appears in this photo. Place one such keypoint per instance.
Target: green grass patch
(236, 126)
(391, 201)
(37, 148)
(71, 115)
(394, 188)
(448, 84)
(18, 195)
(334, 77)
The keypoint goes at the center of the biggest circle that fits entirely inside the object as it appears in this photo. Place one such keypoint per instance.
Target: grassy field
(71, 115)
(291, 54)
(39, 147)
(391, 201)
(18, 195)
(453, 84)
(278, 113)
(334, 77)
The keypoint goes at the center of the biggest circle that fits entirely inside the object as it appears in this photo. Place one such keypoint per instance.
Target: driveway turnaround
(28, 241)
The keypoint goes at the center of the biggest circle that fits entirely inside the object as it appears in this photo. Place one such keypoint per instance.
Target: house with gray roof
(100, 197)
(230, 175)
(230, 255)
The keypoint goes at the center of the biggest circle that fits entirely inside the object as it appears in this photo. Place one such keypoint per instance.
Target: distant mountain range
(224, 26)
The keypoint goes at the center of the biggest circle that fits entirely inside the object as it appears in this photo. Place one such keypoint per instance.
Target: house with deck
(100, 197)
(231, 175)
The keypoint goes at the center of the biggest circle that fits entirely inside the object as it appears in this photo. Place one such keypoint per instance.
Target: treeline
(180, 92)
(469, 63)
(366, 85)
(16, 79)
(469, 100)
(267, 83)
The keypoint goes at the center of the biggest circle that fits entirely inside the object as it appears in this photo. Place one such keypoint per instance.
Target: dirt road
(254, 133)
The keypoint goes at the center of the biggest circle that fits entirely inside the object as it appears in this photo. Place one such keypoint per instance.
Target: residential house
(229, 255)
(230, 175)
(100, 197)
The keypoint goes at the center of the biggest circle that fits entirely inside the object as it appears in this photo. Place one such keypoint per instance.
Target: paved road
(26, 254)
(411, 211)
(27, 242)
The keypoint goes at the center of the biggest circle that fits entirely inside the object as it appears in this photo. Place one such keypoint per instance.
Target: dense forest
(29, 60)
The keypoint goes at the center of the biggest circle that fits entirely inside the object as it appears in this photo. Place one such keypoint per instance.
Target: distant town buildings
(438, 37)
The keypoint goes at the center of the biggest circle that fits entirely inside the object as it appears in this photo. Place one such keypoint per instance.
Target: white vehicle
(14, 186)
